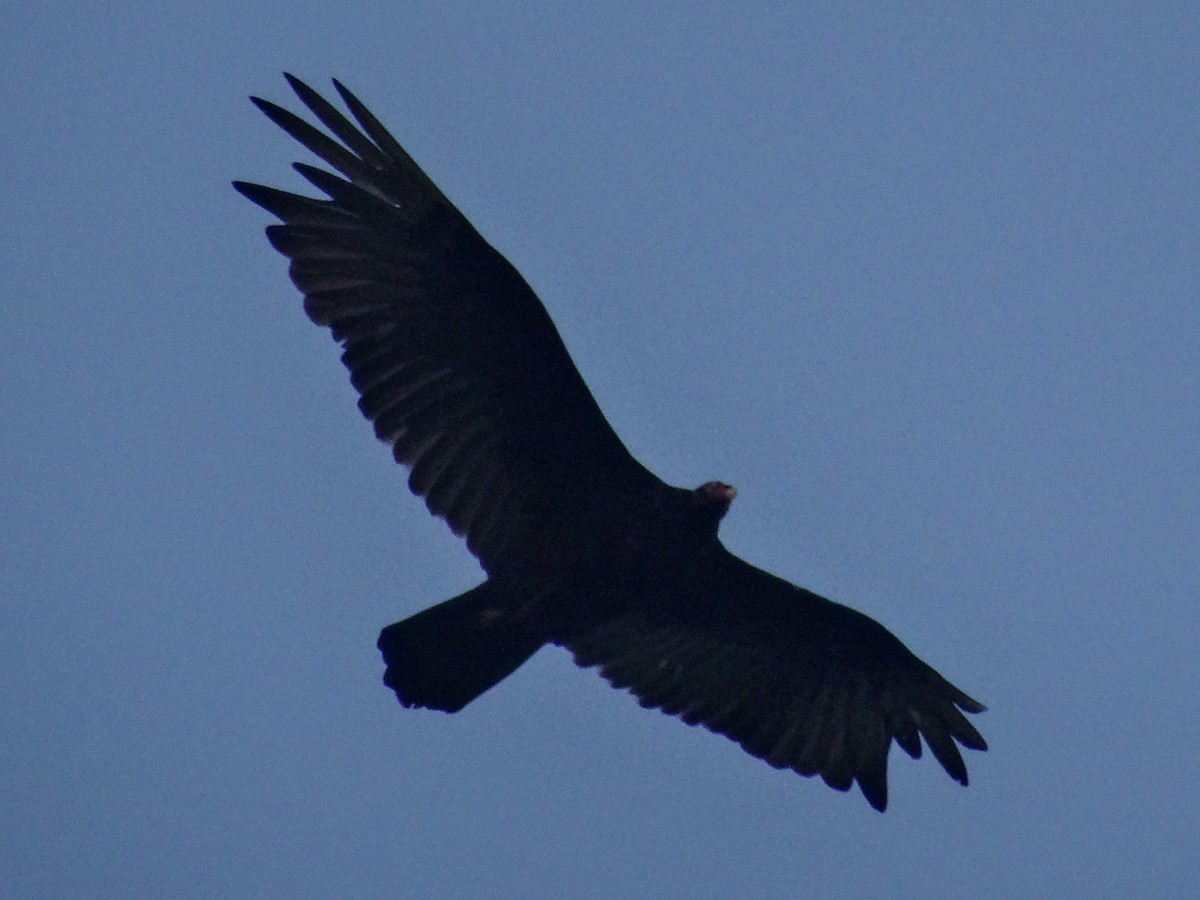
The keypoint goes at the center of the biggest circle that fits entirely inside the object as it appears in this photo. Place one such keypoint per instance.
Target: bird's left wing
(797, 680)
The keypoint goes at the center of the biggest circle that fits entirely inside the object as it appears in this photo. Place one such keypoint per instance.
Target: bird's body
(461, 371)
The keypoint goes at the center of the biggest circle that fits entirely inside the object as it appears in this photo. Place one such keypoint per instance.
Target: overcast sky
(921, 281)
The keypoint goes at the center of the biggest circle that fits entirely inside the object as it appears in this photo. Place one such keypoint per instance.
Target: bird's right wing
(797, 680)
(456, 361)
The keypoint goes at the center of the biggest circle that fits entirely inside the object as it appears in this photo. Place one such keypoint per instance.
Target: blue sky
(921, 282)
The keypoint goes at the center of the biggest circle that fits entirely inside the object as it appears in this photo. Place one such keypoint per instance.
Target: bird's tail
(445, 657)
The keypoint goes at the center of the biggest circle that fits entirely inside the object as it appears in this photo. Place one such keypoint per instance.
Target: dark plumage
(461, 371)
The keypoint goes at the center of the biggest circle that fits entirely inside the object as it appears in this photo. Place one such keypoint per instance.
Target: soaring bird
(461, 371)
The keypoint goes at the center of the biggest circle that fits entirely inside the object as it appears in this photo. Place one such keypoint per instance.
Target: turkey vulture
(460, 369)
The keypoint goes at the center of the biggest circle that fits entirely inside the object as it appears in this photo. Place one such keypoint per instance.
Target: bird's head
(712, 499)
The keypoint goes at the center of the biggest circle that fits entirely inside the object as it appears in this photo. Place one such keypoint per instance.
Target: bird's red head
(714, 497)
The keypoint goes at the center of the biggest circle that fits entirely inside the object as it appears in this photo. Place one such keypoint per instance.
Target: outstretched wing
(797, 680)
(456, 361)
